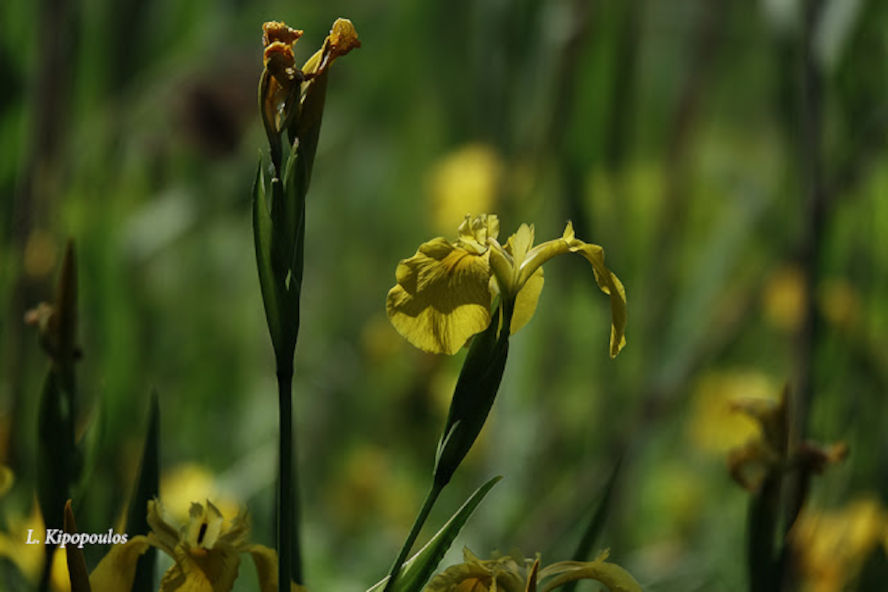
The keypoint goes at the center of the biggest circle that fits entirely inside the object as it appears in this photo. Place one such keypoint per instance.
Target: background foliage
(736, 179)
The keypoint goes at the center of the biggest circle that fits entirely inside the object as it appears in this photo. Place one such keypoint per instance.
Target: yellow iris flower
(445, 291)
(510, 574)
(206, 552)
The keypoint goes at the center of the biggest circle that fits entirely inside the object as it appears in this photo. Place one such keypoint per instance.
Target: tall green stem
(289, 551)
(423, 515)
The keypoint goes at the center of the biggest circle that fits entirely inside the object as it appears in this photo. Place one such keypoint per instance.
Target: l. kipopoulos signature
(55, 536)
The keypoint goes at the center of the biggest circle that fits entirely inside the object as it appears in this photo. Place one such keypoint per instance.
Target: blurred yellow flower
(186, 482)
(378, 341)
(206, 551)
(839, 301)
(715, 427)
(831, 546)
(28, 559)
(672, 494)
(368, 488)
(517, 574)
(784, 298)
(771, 454)
(41, 254)
(463, 181)
(444, 292)
(7, 478)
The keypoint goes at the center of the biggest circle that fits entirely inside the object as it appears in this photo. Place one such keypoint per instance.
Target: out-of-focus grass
(668, 135)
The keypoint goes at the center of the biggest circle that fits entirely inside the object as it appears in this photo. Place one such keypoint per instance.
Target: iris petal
(441, 298)
(117, 569)
(526, 302)
(608, 282)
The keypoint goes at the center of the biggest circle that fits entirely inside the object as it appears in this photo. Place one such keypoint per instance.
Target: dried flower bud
(280, 63)
(343, 38)
(278, 31)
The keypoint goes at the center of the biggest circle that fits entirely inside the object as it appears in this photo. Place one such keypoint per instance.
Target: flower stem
(289, 552)
(430, 499)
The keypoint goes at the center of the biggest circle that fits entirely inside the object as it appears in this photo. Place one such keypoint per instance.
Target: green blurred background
(728, 155)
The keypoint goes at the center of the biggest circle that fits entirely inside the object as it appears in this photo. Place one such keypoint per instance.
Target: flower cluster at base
(518, 574)
(56, 536)
(206, 553)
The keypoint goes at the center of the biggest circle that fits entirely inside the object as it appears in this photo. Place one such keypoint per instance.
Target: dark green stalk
(423, 515)
(762, 559)
(289, 552)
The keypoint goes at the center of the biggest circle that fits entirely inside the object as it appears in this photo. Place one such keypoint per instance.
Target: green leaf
(295, 189)
(419, 568)
(262, 233)
(58, 459)
(308, 125)
(473, 397)
(593, 529)
(77, 573)
(90, 446)
(147, 487)
(55, 458)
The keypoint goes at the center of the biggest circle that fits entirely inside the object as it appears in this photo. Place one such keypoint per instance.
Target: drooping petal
(185, 577)
(611, 575)
(219, 566)
(117, 569)
(267, 569)
(607, 281)
(441, 297)
(611, 285)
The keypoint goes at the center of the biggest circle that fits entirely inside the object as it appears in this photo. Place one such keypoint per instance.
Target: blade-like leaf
(55, 436)
(262, 231)
(593, 529)
(76, 563)
(473, 397)
(90, 445)
(308, 128)
(147, 487)
(419, 568)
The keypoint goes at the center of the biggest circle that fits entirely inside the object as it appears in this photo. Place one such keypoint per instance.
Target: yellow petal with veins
(197, 568)
(520, 243)
(441, 297)
(475, 230)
